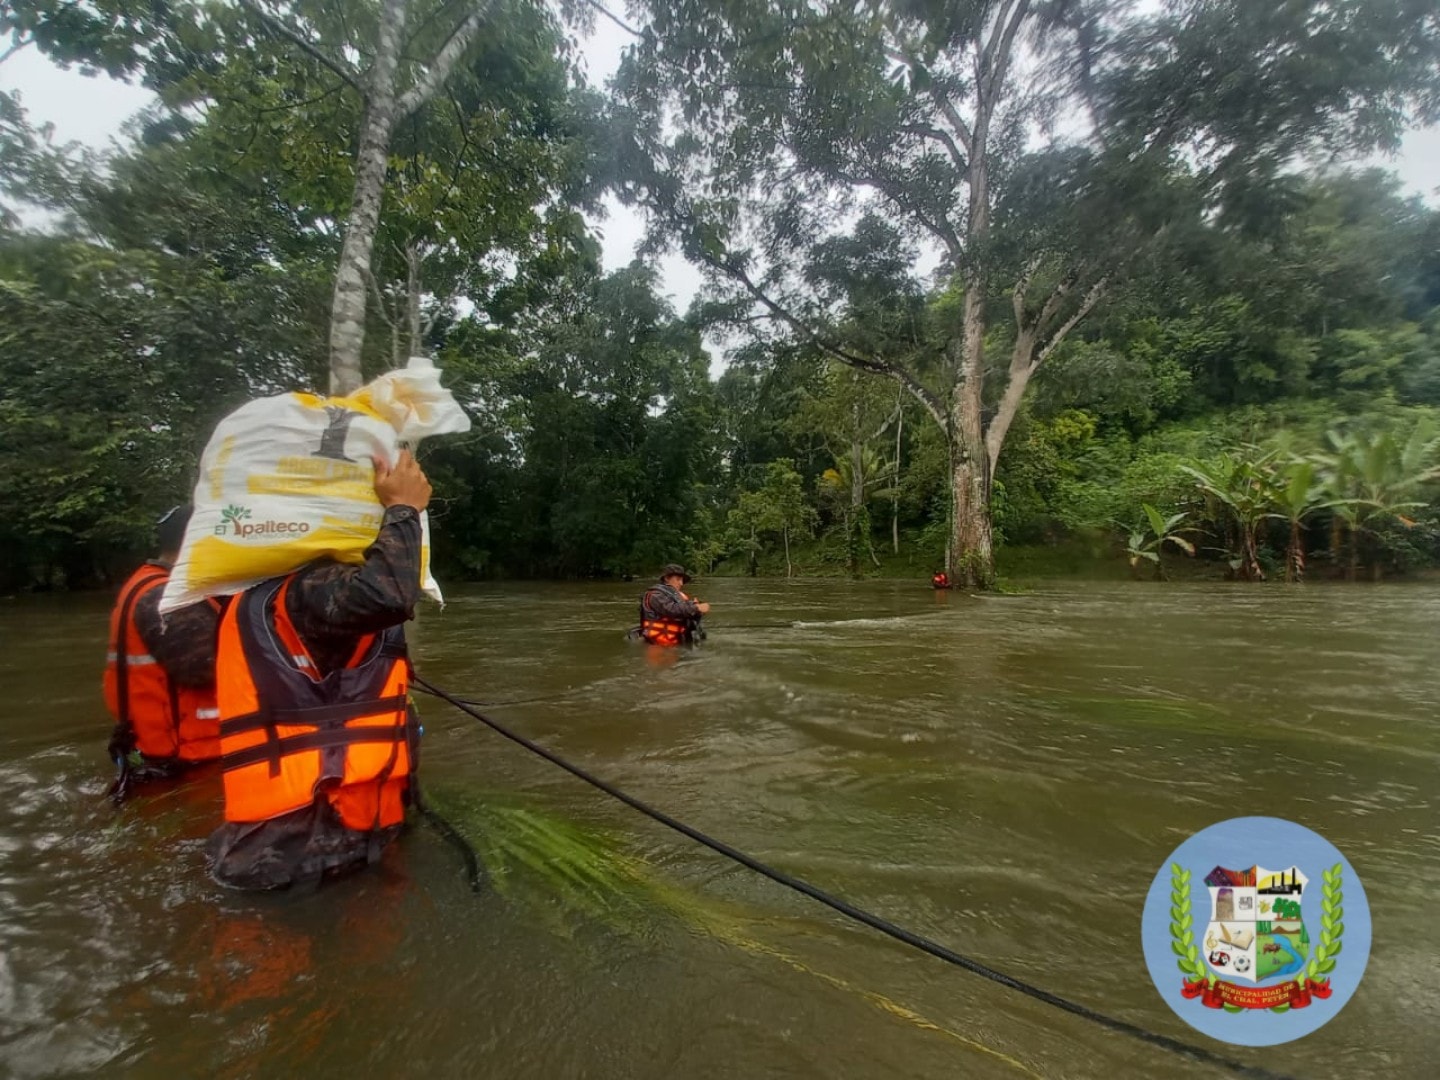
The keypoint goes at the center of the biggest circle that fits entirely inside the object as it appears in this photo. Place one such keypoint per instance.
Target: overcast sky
(92, 110)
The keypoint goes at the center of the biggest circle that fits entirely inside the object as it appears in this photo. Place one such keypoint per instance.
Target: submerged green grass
(558, 867)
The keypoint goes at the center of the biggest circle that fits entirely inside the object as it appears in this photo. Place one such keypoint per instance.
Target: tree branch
(999, 50)
(885, 423)
(1025, 359)
(1052, 304)
(603, 10)
(16, 48)
(301, 104)
(962, 130)
(278, 29)
(925, 131)
(444, 63)
(940, 228)
(1017, 298)
(374, 284)
(942, 101)
(1093, 297)
(863, 363)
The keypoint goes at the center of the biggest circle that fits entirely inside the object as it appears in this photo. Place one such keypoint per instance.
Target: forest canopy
(983, 279)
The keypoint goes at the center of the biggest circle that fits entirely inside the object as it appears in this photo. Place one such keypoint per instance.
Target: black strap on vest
(314, 716)
(278, 685)
(274, 748)
(330, 719)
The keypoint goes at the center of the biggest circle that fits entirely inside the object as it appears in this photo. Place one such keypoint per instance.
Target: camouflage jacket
(665, 602)
(332, 604)
(183, 642)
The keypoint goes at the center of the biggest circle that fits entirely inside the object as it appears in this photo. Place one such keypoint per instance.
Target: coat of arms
(1257, 934)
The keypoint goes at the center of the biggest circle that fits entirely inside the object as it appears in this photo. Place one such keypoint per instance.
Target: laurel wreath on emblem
(1182, 937)
(1332, 911)
(1322, 957)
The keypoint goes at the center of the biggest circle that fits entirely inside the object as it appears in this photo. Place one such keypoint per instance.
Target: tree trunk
(1250, 567)
(972, 555)
(857, 487)
(754, 552)
(972, 563)
(347, 313)
(1295, 557)
(895, 483)
(785, 535)
(413, 259)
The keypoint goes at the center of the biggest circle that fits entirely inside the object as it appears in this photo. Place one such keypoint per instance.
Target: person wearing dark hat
(667, 616)
(160, 673)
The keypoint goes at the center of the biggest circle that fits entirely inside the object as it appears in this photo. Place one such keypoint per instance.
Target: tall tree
(1044, 147)
(393, 87)
(394, 57)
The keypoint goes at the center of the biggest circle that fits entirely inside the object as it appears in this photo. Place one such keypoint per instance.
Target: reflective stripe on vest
(658, 630)
(167, 721)
(289, 736)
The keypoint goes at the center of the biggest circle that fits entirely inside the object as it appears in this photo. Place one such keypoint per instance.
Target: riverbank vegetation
(934, 327)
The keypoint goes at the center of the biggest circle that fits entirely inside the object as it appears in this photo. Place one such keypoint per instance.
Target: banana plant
(1369, 477)
(1242, 485)
(1148, 545)
(1297, 492)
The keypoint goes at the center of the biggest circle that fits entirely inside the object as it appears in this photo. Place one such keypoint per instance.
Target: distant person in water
(160, 673)
(940, 580)
(667, 616)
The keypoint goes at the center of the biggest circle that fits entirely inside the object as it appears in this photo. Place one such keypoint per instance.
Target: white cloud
(84, 109)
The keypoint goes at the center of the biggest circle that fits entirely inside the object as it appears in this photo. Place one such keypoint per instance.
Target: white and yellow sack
(289, 479)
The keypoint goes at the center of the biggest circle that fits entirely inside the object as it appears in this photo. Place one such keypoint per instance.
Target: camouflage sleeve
(183, 643)
(336, 600)
(670, 605)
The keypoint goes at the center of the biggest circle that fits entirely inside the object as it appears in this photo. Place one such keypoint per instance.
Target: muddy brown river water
(1003, 774)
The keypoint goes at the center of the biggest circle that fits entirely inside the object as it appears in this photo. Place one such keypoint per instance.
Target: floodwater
(1003, 774)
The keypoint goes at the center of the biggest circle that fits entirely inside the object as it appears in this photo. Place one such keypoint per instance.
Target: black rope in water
(474, 868)
(899, 933)
(561, 696)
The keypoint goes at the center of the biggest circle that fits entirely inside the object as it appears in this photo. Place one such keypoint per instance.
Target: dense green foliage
(1268, 369)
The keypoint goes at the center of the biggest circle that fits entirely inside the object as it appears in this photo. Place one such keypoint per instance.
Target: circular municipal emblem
(1256, 931)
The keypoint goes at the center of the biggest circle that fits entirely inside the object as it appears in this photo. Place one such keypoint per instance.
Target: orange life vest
(661, 630)
(168, 721)
(289, 736)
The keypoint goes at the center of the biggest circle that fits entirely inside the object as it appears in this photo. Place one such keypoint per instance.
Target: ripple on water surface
(1004, 774)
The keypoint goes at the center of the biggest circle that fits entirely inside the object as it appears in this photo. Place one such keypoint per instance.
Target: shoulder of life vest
(289, 734)
(167, 721)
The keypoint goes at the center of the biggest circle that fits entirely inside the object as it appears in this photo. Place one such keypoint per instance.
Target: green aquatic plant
(587, 872)
(521, 848)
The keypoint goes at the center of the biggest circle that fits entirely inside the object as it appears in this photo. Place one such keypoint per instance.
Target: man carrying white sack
(318, 739)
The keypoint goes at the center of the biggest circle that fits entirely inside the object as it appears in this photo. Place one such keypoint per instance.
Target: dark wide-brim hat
(675, 570)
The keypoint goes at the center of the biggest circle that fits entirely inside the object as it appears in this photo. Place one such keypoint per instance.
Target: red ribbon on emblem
(1297, 995)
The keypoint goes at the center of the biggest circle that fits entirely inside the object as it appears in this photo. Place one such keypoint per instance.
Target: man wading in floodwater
(160, 674)
(667, 616)
(318, 738)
